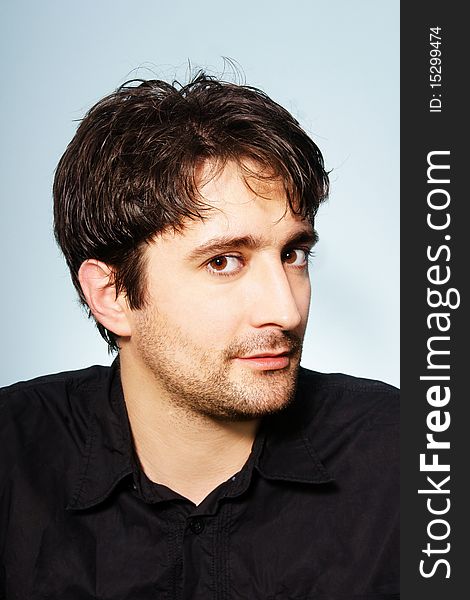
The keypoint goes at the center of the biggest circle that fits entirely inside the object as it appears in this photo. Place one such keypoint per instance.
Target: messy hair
(131, 170)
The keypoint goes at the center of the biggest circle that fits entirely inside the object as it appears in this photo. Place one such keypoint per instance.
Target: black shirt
(313, 514)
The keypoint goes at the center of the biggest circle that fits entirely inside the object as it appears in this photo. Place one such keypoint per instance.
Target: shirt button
(196, 526)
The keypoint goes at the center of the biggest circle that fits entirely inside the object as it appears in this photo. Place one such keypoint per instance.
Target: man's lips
(266, 361)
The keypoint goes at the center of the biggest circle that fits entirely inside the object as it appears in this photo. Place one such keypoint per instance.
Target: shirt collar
(282, 451)
(288, 453)
(108, 456)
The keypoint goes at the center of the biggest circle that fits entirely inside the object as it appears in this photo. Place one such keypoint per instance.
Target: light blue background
(334, 65)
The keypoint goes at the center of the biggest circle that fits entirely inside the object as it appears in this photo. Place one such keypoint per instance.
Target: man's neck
(189, 453)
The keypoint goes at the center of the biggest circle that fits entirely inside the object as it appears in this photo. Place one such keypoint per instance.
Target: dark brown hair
(130, 172)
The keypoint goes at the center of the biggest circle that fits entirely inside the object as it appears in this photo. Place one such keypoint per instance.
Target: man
(204, 463)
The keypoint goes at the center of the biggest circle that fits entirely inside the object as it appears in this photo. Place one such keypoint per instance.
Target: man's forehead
(229, 228)
(238, 181)
(244, 197)
(238, 206)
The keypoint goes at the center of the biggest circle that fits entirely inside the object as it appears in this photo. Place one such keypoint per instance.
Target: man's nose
(274, 303)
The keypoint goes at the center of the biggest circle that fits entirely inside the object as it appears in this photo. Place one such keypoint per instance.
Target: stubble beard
(208, 383)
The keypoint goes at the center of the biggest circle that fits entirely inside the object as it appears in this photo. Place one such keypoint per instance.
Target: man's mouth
(266, 361)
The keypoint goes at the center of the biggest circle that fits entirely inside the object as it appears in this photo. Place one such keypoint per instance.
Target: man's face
(228, 300)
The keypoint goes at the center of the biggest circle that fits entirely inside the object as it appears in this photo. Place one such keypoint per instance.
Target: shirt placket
(199, 552)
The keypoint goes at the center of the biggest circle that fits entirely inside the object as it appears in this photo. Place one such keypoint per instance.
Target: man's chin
(250, 413)
(263, 393)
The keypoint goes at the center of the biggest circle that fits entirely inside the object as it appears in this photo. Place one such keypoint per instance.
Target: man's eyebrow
(306, 236)
(225, 243)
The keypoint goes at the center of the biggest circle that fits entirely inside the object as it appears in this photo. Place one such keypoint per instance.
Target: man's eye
(224, 265)
(296, 257)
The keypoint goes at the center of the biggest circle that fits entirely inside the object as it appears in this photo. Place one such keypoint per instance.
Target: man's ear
(96, 280)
